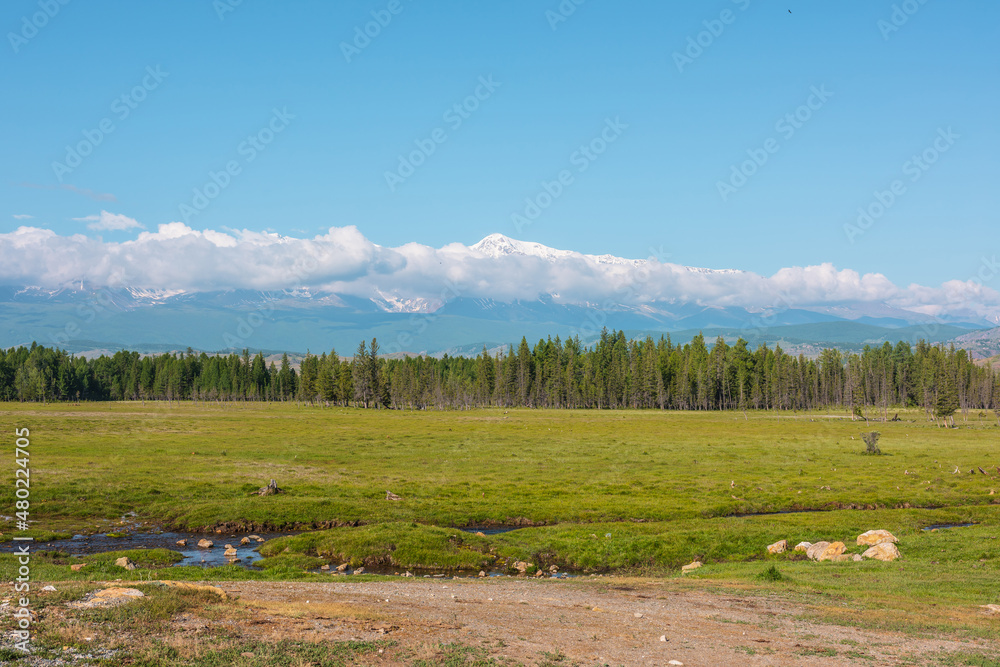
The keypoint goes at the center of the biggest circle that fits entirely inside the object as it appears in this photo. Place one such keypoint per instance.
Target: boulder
(779, 547)
(125, 562)
(539, 573)
(360, 570)
(245, 541)
(325, 567)
(482, 574)
(814, 550)
(521, 566)
(343, 567)
(825, 550)
(77, 567)
(553, 569)
(182, 543)
(694, 565)
(886, 551)
(803, 546)
(255, 537)
(873, 537)
(230, 553)
(204, 544)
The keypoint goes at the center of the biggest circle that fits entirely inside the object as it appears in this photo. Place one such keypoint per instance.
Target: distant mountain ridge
(78, 317)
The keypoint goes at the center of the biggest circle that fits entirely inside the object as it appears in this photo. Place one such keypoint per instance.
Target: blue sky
(889, 94)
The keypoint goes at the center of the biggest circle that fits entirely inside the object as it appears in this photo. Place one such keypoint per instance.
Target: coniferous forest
(614, 373)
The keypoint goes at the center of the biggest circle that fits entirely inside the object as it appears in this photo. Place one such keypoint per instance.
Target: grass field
(636, 492)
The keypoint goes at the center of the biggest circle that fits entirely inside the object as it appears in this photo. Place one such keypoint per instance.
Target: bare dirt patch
(608, 621)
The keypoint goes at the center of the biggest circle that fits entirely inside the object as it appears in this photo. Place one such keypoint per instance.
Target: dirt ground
(608, 621)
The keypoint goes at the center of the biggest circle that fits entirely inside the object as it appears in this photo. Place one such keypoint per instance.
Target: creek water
(81, 545)
(943, 526)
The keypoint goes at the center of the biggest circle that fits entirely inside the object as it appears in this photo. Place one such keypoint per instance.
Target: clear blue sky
(655, 185)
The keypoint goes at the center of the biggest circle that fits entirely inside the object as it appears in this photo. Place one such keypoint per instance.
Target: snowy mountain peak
(498, 245)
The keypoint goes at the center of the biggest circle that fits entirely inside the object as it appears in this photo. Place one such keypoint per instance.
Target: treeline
(614, 373)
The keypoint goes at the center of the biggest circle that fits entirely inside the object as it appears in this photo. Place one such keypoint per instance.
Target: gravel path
(607, 621)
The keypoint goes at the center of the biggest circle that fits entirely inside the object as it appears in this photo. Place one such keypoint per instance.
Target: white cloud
(23, 216)
(111, 222)
(343, 261)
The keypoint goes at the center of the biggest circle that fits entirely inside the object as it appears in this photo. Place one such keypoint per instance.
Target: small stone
(637, 615)
(230, 553)
(539, 573)
(884, 551)
(77, 567)
(324, 567)
(778, 547)
(49, 588)
(663, 638)
(873, 537)
(343, 567)
(360, 570)
(675, 662)
(480, 533)
(482, 574)
(205, 544)
(182, 543)
(229, 546)
(694, 565)
(553, 569)
(255, 537)
(125, 562)
(245, 541)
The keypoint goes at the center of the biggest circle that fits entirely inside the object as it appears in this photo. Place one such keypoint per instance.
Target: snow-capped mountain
(498, 245)
(459, 297)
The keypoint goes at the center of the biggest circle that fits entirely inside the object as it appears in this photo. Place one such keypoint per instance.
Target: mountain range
(83, 318)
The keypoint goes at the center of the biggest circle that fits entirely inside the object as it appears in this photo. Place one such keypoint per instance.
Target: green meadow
(625, 492)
